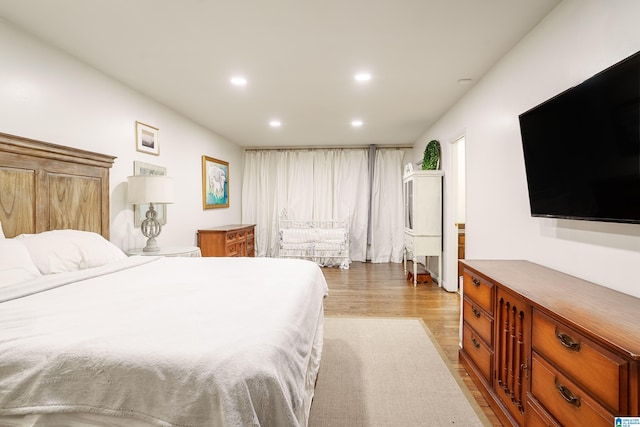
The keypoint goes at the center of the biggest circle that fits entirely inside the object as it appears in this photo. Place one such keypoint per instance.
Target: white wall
(576, 40)
(49, 96)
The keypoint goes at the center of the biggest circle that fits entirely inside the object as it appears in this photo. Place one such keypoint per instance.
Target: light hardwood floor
(381, 290)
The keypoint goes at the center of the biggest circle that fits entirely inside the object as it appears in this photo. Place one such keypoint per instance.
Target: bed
(90, 337)
(326, 242)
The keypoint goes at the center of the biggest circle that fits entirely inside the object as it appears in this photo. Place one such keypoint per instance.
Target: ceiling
(299, 58)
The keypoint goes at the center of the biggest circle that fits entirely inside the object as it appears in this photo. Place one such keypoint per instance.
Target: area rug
(387, 372)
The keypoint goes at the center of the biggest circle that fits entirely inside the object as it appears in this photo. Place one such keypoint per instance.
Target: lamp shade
(150, 189)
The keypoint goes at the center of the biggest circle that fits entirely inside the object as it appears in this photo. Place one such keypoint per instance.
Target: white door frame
(450, 229)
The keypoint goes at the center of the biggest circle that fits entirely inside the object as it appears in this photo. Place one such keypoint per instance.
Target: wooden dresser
(234, 240)
(549, 349)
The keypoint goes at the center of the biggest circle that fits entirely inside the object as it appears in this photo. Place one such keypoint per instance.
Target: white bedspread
(173, 342)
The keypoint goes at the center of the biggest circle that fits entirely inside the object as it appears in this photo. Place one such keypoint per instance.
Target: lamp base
(151, 229)
(152, 245)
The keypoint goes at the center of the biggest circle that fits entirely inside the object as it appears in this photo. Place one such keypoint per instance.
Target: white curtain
(315, 184)
(387, 230)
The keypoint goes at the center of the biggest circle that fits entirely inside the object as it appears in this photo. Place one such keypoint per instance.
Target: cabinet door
(427, 204)
(513, 344)
(242, 247)
(408, 204)
(251, 244)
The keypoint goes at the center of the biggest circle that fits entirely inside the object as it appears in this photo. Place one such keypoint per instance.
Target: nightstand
(186, 251)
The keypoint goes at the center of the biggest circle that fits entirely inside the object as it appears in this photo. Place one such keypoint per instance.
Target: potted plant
(431, 159)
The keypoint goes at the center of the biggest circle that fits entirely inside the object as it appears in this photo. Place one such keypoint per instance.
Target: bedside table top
(186, 251)
(229, 227)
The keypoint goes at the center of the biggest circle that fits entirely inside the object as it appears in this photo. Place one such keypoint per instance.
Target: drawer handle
(567, 341)
(475, 282)
(476, 344)
(567, 394)
(475, 312)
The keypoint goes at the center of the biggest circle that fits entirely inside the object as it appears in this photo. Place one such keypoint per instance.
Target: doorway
(457, 227)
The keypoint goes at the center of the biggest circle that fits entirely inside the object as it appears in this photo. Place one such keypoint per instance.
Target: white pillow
(299, 235)
(15, 263)
(1, 232)
(59, 251)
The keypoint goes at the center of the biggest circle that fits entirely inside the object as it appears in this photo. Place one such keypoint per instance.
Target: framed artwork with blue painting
(215, 183)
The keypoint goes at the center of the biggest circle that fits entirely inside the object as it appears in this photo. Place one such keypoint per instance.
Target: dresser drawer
(477, 351)
(479, 291)
(478, 320)
(565, 400)
(232, 236)
(598, 370)
(231, 250)
(536, 416)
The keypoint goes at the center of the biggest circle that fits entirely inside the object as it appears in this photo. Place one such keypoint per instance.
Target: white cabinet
(422, 217)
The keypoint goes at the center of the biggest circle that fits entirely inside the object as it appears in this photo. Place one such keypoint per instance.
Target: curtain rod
(337, 147)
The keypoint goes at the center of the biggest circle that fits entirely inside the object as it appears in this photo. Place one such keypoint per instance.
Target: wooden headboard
(51, 187)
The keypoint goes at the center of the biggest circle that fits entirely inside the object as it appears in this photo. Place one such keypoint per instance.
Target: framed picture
(139, 211)
(147, 139)
(215, 183)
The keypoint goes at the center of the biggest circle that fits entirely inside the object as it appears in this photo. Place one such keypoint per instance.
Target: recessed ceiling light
(464, 81)
(362, 77)
(238, 81)
(356, 123)
(275, 123)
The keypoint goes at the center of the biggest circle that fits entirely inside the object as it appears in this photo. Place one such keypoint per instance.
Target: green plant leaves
(431, 159)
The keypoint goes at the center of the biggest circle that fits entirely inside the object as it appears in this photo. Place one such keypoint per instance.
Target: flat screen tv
(582, 149)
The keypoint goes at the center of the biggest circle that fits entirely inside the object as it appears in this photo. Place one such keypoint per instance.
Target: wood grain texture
(585, 338)
(227, 241)
(46, 186)
(382, 290)
(75, 202)
(605, 314)
(17, 201)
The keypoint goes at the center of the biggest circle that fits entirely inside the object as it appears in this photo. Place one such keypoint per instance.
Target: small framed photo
(139, 211)
(215, 183)
(147, 139)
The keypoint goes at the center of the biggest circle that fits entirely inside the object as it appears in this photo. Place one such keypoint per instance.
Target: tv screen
(582, 149)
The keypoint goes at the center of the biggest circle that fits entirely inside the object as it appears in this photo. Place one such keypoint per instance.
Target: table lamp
(150, 189)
